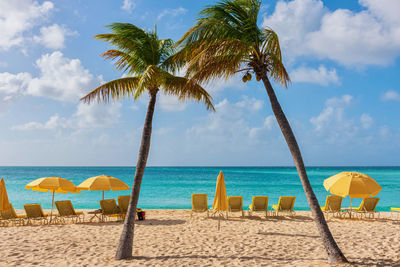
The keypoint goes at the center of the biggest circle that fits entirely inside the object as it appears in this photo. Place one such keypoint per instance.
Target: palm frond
(227, 36)
(115, 89)
(186, 89)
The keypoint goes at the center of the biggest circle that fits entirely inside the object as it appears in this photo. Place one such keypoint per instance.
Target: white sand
(171, 238)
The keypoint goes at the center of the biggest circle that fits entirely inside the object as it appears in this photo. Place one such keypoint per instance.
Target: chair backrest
(9, 214)
(235, 203)
(333, 203)
(369, 203)
(109, 206)
(260, 203)
(286, 203)
(199, 202)
(65, 208)
(33, 211)
(123, 203)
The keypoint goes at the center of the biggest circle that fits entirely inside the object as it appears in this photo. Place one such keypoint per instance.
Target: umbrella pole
(52, 203)
(219, 219)
(351, 206)
(103, 194)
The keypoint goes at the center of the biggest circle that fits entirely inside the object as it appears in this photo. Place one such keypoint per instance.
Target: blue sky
(343, 102)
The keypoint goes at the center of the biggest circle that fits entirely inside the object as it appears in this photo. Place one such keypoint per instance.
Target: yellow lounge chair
(285, 205)
(259, 203)
(199, 204)
(110, 209)
(367, 207)
(333, 205)
(123, 204)
(10, 216)
(235, 204)
(34, 212)
(67, 211)
(393, 210)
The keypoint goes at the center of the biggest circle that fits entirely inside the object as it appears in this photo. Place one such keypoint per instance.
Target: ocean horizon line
(210, 166)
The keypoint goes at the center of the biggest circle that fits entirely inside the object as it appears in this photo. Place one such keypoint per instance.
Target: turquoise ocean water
(171, 187)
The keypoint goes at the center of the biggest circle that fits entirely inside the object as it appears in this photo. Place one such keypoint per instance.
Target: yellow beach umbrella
(220, 199)
(4, 203)
(103, 183)
(53, 185)
(352, 184)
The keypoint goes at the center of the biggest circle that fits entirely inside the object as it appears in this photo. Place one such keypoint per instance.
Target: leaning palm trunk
(124, 250)
(335, 255)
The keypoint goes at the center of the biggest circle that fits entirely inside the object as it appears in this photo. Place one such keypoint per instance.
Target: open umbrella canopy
(52, 184)
(4, 203)
(103, 183)
(220, 199)
(352, 184)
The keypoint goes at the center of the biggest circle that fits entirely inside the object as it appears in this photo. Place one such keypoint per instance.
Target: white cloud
(171, 103)
(367, 37)
(61, 78)
(332, 121)
(366, 121)
(321, 76)
(86, 117)
(17, 18)
(128, 5)
(53, 36)
(171, 12)
(251, 104)
(13, 84)
(391, 95)
(229, 124)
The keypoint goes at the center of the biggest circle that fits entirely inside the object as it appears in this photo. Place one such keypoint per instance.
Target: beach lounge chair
(285, 205)
(34, 213)
(333, 205)
(259, 203)
(394, 210)
(235, 204)
(199, 204)
(67, 211)
(367, 207)
(123, 204)
(110, 209)
(11, 217)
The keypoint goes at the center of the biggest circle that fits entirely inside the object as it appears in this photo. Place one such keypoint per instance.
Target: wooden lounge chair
(394, 210)
(11, 217)
(285, 205)
(235, 204)
(67, 211)
(333, 205)
(34, 213)
(110, 209)
(199, 204)
(123, 204)
(367, 207)
(259, 203)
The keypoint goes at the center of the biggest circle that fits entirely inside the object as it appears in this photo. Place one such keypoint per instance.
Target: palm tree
(146, 58)
(226, 40)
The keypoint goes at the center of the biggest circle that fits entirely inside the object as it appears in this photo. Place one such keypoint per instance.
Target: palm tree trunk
(124, 250)
(335, 255)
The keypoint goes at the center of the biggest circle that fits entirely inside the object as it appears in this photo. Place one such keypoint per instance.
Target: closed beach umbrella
(103, 183)
(53, 185)
(352, 184)
(220, 199)
(4, 203)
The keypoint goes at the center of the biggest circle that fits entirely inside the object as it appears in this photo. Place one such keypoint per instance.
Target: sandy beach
(171, 238)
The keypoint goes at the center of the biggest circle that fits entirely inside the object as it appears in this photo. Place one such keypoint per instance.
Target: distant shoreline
(199, 166)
